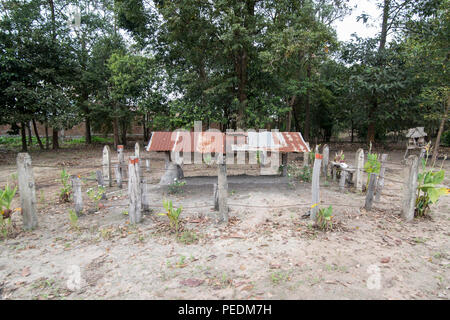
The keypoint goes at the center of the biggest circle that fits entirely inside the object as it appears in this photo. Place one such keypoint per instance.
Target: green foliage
(176, 187)
(6, 197)
(172, 214)
(303, 173)
(372, 165)
(66, 190)
(324, 218)
(427, 191)
(96, 194)
(445, 139)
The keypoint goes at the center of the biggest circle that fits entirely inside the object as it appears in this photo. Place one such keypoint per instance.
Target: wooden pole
(359, 165)
(107, 170)
(380, 183)
(284, 162)
(216, 197)
(342, 180)
(411, 183)
(315, 187)
(370, 191)
(222, 186)
(137, 150)
(27, 191)
(134, 191)
(326, 159)
(118, 174)
(145, 196)
(77, 195)
(121, 158)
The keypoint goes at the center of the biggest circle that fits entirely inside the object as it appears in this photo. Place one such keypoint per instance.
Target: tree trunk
(47, 138)
(441, 130)
(116, 132)
(307, 107)
(123, 133)
(55, 139)
(36, 132)
(87, 122)
(23, 133)
(30, 135)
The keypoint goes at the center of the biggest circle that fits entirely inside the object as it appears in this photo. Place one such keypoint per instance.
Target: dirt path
(267, 251)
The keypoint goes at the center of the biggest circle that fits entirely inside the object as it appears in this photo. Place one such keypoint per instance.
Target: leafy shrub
(372, 166)
(172, 214)
(324, 218)
(176, 186)
(6, 197)
(427, 191)
(66, 191)
(96, 194)
(445, 140)
(303, 173)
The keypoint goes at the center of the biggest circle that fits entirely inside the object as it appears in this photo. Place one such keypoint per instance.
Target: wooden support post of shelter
(411, 184)
(27, 191)
(107, 170)
(359, 167)
(380, 183)
(134, 191)
(371, 191)
(315, 186)
(284, 163)
(222, 186)
(77, 195)
(342, 180)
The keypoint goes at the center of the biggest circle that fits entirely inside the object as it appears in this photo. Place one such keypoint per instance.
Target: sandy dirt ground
(267, 251)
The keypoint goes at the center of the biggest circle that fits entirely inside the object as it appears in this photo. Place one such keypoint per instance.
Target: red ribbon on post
(319, 156)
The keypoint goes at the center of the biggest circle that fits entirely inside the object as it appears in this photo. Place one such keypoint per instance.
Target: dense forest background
(236, 63)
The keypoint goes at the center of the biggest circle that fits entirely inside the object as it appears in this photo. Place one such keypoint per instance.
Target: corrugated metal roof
(209, 142)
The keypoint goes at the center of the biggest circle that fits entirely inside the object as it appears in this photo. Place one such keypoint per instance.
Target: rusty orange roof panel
(211, 142)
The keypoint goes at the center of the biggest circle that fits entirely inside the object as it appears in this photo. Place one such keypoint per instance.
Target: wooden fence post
(134, 191)
(121, 158)
(222, 187)
(411, 183)
(77, 195)
(380, 183)
(315, 187)
(326, 159)
(107, 170)
(216, 197)
(137, 150)
(342, 180)
(359, 165)
(145, 196)
(27, 191)
(370, 191)
(118, 174)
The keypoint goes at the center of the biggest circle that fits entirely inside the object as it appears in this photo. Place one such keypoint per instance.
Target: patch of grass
(279, 277)
(187, 237)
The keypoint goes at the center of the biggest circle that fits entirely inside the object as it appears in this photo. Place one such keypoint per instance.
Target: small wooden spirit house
(416, 139)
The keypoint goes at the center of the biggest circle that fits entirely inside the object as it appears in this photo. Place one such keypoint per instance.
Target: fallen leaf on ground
(192, 282)
(385, 260)
(26, 272)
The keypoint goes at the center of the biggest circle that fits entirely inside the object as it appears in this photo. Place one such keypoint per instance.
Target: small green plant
(372, 165)
(188, 237)
(427, 191)
(73, 218)
(66, 190)
(304, 173)
(6, 197)
(324, 218)
(172, 214)
(96, 194)
(176, 187)
(339, 157)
